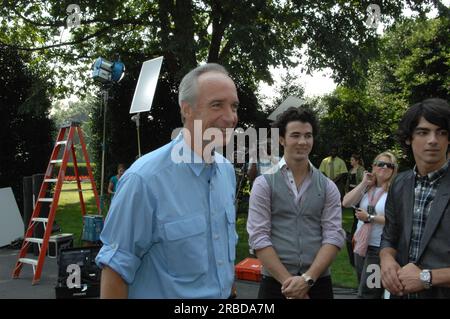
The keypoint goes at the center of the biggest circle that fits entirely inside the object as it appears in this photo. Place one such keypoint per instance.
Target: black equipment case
(84, 257)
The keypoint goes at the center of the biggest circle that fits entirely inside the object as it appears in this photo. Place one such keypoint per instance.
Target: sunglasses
(382, 164)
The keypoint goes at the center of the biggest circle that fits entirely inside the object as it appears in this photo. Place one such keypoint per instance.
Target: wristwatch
(308, 279)
(370, 218)
(425, 277)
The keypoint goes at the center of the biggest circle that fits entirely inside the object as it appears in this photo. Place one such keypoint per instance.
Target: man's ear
(282, 141)
(186, 109)
(408, 141)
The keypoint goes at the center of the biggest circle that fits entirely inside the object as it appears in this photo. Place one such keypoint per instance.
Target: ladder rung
(34, 240)
(40, 219)
(61, 143)
(50, 180)
(48, 200)
(29, 261)
(56, 161)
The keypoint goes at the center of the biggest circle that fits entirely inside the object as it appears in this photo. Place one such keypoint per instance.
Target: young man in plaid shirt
(415, 255)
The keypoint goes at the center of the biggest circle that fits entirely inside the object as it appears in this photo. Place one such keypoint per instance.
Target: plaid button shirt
(424, 192)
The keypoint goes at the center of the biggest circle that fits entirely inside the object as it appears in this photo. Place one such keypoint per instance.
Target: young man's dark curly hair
(303, 114)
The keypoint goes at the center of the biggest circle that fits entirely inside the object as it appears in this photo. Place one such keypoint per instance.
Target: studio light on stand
(144, 93)
(107, 73)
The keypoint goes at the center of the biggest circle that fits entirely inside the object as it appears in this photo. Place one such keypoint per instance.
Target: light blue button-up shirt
(170, 231)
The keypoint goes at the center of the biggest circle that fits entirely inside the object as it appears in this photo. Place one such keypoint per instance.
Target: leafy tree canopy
(414, 64)
(246, 36)
(25, 130)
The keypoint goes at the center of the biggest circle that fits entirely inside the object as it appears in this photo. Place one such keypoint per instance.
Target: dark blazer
(435, 244)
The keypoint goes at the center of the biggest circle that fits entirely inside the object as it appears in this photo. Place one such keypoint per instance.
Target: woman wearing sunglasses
(368, 199)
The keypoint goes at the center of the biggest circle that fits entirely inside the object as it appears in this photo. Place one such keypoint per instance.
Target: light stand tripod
(241, 176)
(135, 118)
(105, 93)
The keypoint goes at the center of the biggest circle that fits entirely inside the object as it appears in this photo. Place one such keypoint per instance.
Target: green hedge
(82, 170)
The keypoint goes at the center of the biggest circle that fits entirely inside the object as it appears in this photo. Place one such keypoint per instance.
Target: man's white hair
(187, 91)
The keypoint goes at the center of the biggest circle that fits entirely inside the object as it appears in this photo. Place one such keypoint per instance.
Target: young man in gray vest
(415, 254)
(295, 219)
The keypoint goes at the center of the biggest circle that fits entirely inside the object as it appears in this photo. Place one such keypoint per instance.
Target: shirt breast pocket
(186, 247)
(231, 228)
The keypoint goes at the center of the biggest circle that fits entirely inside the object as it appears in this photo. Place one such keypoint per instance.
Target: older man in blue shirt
(170, 231)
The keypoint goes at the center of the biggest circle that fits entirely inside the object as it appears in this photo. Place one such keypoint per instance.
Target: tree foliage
(247, 36)
(414, 62)
(413, 65)
(25, 130)
(354, 124)
(81, 111)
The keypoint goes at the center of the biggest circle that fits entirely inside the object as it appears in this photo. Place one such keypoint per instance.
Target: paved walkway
(21, 288)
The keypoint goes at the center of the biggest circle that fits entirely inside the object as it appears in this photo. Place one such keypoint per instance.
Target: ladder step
(61, 143)
(40, 219)
(50, 180)
(47, 200)
(34, 240)
(76, 190)
(29, 261)
(56, 161)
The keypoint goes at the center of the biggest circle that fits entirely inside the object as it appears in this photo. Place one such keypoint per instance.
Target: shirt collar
(196, 163)
(432, 176)
(282, 165)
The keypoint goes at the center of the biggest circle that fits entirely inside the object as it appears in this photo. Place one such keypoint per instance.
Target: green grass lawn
(342, 273)
(69, 218)
(68, 214)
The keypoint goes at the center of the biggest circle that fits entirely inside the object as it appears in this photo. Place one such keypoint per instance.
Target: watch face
(309, 281)
(371, 210)
(425, 276)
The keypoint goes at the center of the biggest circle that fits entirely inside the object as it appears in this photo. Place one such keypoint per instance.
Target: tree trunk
(220, 20)
(184, 35)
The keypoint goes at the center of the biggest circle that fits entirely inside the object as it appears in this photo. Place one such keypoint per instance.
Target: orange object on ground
(249, 269)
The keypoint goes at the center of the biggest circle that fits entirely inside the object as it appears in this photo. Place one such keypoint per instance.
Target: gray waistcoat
(296, 232)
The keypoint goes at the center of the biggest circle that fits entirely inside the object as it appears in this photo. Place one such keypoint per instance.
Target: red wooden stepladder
(65, 143)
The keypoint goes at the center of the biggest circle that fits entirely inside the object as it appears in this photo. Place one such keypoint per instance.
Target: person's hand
(389, 276)
(362, 215)
(409, 276)
(295, 287)
(368, 179)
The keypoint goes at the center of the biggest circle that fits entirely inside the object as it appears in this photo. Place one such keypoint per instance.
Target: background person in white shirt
(370, 198)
